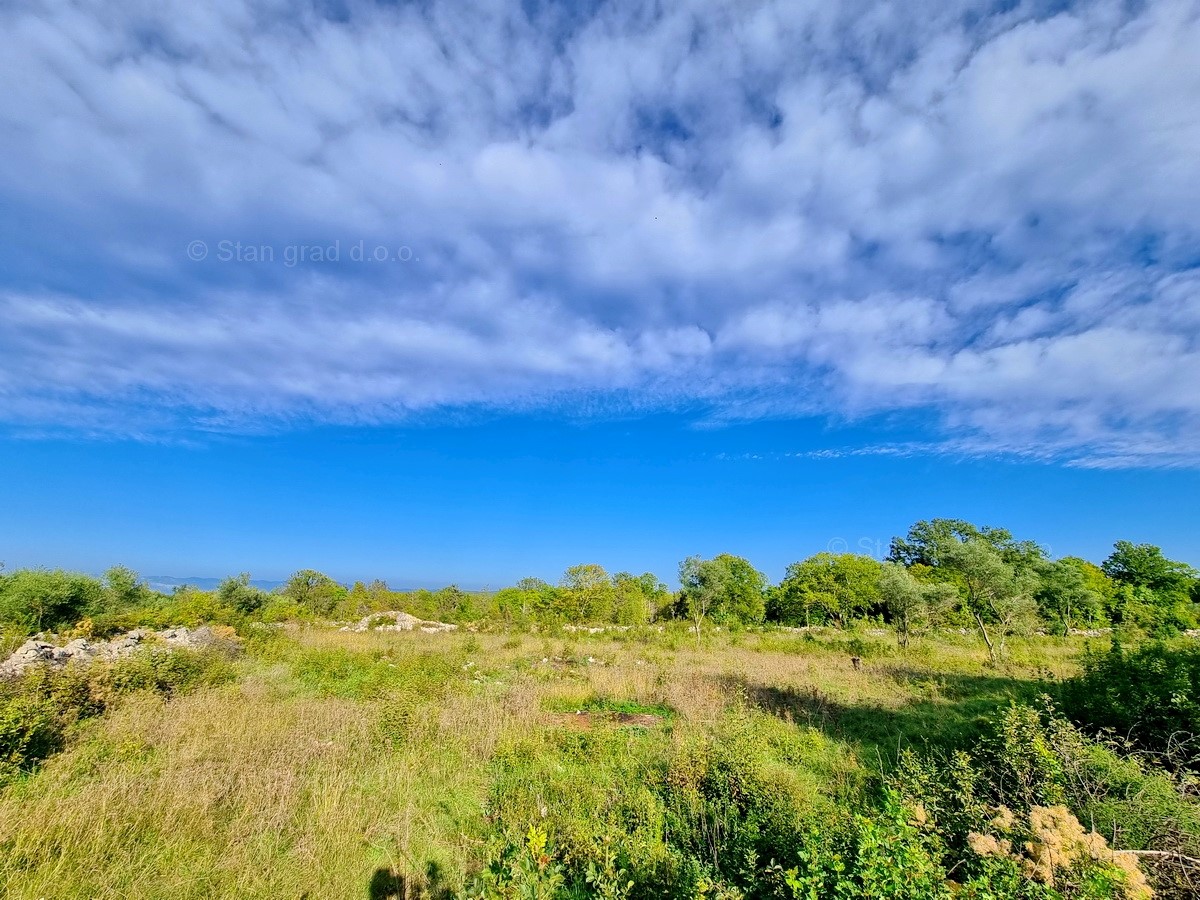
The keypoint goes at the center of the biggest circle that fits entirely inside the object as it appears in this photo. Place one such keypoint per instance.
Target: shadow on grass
(947, 711)
(387, 885)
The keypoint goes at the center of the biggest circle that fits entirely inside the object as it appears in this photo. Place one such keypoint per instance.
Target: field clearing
(372, 765)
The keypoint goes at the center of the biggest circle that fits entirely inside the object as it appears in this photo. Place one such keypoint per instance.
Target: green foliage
(168, 671)
(1065, 598)
(635, 813)
(911, 606)
(125, 589)
(1033, 759)
(31, 728)
(586, 594)
(995, 594)
(314, 591)
(46, 599)
(828, 587)
(38, 708)
(637, 597)
(891, 854)
(1144, 565)
(520, 869)
(1150, 695)
(238, 593)
(928, 541)
(725, 590)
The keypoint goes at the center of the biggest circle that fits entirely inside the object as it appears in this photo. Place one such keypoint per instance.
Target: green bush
(1034, 758)
(1150, 695)
(168, 671)
(31, 728)
(34, 600)
(39, 708)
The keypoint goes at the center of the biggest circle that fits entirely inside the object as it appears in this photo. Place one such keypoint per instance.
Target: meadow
(325, 764)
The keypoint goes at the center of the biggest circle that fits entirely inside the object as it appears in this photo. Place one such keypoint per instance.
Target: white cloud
(767, 207)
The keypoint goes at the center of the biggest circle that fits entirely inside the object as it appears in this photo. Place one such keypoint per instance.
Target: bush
(1034, 759)
(1150, 696)
(30, 730)
(167, 671)
(38, 709)
(40, 599)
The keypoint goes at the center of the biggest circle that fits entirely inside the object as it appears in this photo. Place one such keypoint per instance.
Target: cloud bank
(987, 214)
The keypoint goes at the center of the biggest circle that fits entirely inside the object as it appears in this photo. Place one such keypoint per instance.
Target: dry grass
(286, 785)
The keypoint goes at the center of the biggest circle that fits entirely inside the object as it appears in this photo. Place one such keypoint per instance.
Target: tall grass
(350, 765)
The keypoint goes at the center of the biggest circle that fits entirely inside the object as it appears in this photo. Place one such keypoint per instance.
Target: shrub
(1150, 695)
(168, 671)
(38, 709)
(31, 729)
(41, 599)
(1034, 759)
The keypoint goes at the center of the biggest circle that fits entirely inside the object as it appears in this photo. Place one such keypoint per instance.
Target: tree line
(943, 572)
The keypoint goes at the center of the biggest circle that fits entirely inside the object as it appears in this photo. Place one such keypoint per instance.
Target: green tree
(724, 589)
(996, 597)
(237, 592)
(927, 541)
(586, 594)
(912, 607)
(637, 597)
(1064, 596)
(837, 587)
(314, 591)
(528, 599)
(125, 589)
(38, 599)
(1096, 581)
(1153, 592)
(1144, 565)
(452, 602)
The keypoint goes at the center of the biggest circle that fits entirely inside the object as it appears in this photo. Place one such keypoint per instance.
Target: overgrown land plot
(258, 753)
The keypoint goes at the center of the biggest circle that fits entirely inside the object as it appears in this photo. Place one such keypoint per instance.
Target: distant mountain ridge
(167, 583)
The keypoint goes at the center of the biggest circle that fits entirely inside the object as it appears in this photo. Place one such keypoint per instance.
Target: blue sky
(455, 291)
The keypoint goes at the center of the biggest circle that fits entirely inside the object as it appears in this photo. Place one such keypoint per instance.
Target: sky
(470, 291)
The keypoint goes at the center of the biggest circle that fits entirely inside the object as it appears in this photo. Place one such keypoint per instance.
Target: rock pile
(397, 621)
(37, 650)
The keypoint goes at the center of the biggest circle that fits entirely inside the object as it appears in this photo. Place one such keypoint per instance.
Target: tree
(637, 597)
(912, 607)
(452, 602)
(927, 542)
(1064, 597)
(37, 599)
(1144, 565)
(587, 594)
(239, 593)
(529, 598)
(997, 597)
(125, 588)
(744, 602)
(703, 586)
(837, 586)
(1096, 581)
(316, 592)
(724, 589)
(1153, 591)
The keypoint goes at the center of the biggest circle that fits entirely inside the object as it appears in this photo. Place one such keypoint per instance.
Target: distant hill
(168, 583)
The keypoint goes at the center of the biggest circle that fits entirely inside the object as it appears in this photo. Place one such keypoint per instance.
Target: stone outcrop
(398, 621)
(36, 651)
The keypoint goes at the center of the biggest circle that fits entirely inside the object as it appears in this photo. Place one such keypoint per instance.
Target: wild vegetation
(935, 725)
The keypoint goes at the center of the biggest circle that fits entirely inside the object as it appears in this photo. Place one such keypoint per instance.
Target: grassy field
(374, 765)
